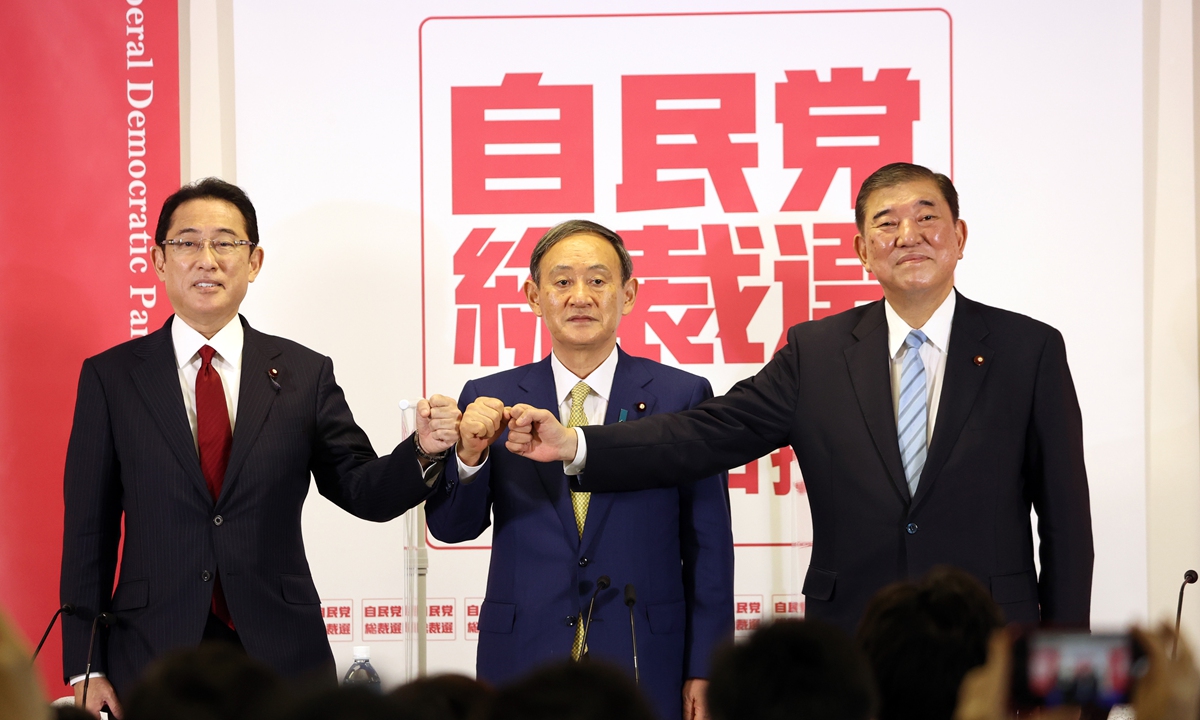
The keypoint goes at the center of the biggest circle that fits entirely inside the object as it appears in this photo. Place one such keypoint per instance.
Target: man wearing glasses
(203, 435)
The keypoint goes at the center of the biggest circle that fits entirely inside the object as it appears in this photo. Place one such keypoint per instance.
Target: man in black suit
(202, 437)
(925, 425)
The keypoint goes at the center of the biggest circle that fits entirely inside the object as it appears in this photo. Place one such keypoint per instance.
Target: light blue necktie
(912, 421)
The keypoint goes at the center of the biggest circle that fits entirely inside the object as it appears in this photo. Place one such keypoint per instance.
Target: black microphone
(602, 583)
(1189, 577)
(67, 609)
(109, 620)
(631, 600)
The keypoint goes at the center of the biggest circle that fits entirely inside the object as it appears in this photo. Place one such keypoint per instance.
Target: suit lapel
(539, 391)
(157, 380)
(255, 397)
(870, 373)
(960, 387)
(628, 390)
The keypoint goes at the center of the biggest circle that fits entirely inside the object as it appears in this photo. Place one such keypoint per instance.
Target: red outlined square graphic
(338, 616)
(441, 619)
(730, 174)
(385, 620)
(748, 614)
(472, 607)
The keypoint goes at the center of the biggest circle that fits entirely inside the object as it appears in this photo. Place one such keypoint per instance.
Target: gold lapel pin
(640, 407)
(978, 359)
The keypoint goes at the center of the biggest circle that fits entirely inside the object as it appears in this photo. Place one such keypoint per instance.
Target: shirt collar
(227, 342)
(936, 328)
(600, 380)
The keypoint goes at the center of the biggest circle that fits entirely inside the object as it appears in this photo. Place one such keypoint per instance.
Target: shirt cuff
(575, 467)
(467, 473)
(431, 474)
(76, 679)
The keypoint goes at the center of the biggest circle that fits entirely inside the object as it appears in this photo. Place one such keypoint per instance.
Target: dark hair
(215, 681)
(572, 691)
(922, 637)
(898, 174)
(442, 697)
(209, 187)
(564, 230)
(791, 669)
(348, 702)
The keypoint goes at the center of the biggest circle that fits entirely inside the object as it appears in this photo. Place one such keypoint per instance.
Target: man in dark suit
(202, 437)
(551, 546)
(925, 425)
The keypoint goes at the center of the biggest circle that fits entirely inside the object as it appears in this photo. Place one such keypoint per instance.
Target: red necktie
(215, 438)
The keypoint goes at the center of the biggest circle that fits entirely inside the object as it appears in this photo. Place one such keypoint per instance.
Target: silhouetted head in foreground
(443, 697)
(572, 691)
(921, 637)
(791, 670)
(214, 681)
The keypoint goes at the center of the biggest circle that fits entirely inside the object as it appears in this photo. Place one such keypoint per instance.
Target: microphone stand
(108, 619)
(67, 609)
(630, 601)
(1189, 577)
(602, 583)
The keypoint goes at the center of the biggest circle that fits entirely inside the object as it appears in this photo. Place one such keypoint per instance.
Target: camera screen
(1080, 669)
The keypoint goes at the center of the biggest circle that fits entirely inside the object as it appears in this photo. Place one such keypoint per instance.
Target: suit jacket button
(911, 528)
(571, 620)
(206, 576)
(583, 562)
(218, 520)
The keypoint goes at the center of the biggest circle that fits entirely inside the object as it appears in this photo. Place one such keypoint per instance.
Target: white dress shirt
(227, 361)
(933, 354)
(595, 405)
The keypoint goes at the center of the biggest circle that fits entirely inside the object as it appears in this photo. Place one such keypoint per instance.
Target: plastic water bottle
(361, 674)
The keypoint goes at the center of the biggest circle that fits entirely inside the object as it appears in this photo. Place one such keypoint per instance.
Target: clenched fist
(538, 435)
(437, 423)
(485, 420)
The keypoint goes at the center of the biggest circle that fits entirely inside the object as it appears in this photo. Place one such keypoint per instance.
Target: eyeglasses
(191, 245)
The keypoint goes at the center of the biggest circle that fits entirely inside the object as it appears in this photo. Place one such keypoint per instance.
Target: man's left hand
(695, 699)
(437, 423)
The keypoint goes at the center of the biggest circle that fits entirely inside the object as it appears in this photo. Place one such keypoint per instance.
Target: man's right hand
(100, 693)
(484, 421)
(538, 435)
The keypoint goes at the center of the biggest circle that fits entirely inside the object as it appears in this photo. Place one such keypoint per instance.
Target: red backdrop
(71, 174)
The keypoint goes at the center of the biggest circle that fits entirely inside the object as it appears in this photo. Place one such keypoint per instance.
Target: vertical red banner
(89, 148)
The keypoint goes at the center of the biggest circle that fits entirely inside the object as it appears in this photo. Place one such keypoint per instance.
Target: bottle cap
(362, 652)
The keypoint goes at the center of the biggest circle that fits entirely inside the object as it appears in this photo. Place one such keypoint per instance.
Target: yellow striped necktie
(579, 500)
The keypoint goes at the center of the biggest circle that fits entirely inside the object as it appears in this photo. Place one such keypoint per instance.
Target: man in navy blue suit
(550, 546)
